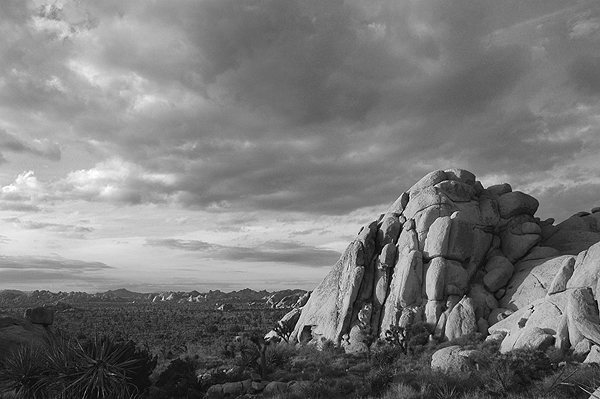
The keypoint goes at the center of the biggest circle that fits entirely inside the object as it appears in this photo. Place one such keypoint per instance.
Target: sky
(224, 144)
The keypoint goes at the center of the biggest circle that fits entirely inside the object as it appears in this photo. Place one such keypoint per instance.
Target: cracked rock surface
(461, 258)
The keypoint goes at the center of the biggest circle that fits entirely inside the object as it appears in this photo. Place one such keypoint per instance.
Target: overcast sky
(230, 144)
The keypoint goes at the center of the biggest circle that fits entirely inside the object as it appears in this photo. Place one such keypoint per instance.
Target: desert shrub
(418, 336)
(471, 341)
(555, 355)
(212, 329)
(572, 380)
(533, 364)
(248, 355)
(515, 370)
(248, 352)
(396, 336)
(387, 354)
(490, 347)
(67, 369)
(400, 391)
(433, 384)
(378, 379)
(411, 339)
(99, 368)
(23, 372)
(279, 356)
(178, 381)
(329, 347)
(326, 389)
(477, 394)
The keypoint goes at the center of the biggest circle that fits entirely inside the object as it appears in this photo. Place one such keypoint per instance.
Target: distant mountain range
(278, 299)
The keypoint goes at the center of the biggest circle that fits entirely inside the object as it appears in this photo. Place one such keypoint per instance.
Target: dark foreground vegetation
(172, 351)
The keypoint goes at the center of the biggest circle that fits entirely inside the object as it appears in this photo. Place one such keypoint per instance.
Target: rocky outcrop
(461, 258)
(287, 299)
(16, 331)
(40, 315)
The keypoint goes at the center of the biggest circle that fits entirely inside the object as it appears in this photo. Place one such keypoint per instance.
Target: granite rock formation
(15, 331)
(462, 258)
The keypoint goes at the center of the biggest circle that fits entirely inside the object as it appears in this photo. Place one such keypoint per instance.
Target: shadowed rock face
(17, 331)
(459, 257)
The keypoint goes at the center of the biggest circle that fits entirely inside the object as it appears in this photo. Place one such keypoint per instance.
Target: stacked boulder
(553, 301)
(454, 255)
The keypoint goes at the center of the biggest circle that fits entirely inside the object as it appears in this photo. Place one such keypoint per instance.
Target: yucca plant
(67, 369)
(60, 357)
(101, 369)
(23, 373)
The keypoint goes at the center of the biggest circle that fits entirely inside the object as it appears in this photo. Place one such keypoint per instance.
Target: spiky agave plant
(61, 361)
(99, 369)
(22, 373)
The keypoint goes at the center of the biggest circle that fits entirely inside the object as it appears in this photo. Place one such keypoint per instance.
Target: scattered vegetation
(112, 365)
(68, 369)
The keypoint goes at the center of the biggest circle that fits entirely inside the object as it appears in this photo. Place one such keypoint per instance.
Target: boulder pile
(462, 258)
(31, 330)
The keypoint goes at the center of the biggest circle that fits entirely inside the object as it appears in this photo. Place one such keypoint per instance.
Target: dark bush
(378, 379)
(515, 370)
(100, 368)
(178, 381)
(64, 368)
(23, 372)
(386, 354)
(278, 356)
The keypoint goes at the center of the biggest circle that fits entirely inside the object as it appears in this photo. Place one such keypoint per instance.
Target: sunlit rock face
(461, 258)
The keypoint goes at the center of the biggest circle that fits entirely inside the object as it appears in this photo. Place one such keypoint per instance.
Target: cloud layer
(314, 108)
(272, 251)
(55, 271)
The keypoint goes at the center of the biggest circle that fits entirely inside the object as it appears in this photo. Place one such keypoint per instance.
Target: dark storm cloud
(585, 72)
(272, 251)
(313, 106)
(568, 198)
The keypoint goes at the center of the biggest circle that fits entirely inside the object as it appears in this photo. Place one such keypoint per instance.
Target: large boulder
(15, 331)
(499, 270)
(40, 315)
(461, 320)
(462, 258)
(516, 203)
(519, 236)
(531, 281)
(454, 359)
(404, 289)
(576, 234)
(535, 326)
(530, 337)
(586, 271)
(582, 316)
(328, 310)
